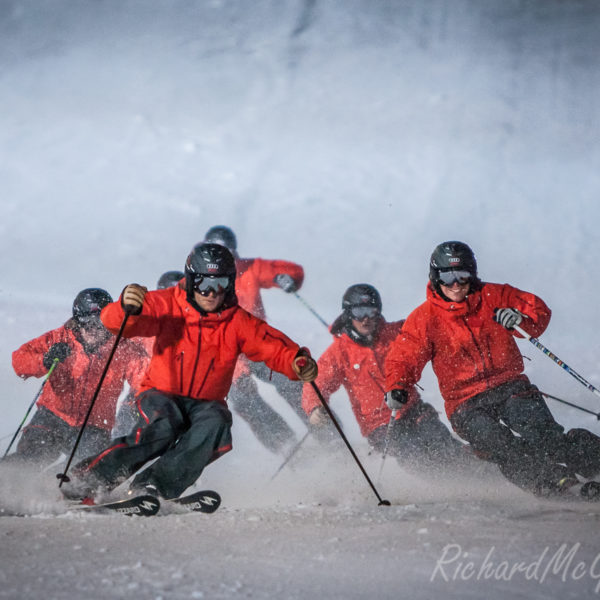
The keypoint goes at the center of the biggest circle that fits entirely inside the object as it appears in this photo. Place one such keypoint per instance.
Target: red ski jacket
(253, 274)
(470, 352)
(71, 386)
(194, 355)
(360, 370)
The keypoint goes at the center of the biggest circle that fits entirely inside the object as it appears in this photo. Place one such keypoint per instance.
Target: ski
(141, 506)
(205, 501)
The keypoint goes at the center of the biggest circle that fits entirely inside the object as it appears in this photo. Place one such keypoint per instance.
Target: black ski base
(205, 501)
(139, 506)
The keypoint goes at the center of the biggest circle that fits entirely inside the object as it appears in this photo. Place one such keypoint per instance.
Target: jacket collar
(469, 305)
(215, 318)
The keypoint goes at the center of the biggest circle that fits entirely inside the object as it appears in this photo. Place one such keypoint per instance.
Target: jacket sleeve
(408, 353)
(137, 361)
(329, 380)
(267, 270)
(146, 324)
(535, 309)
(28, 360)
(262, 343)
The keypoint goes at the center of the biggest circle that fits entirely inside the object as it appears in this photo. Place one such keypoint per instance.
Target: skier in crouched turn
(79, 350)
(354, 360)
(199, 331)
(465, 328)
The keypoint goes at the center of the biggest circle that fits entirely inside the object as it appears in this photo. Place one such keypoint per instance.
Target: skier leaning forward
(465, 329)
(354, 360)
(199, 332)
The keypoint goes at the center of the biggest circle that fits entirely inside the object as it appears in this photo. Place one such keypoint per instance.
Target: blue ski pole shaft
(54, 363)
(557, 360)
(312, 310)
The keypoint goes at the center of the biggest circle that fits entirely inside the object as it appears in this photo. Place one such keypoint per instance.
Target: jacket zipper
(481, 354)
(181, 370)
(196, 360)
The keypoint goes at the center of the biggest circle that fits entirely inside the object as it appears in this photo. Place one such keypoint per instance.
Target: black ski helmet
(169, 279)
(449, 256)
(224, 236)
(209, 260)
(361, 294)
(90, 302)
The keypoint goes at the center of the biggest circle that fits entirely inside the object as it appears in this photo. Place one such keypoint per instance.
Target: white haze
(350, 136)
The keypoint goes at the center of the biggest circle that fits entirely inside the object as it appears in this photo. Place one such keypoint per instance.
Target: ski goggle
(90, 321)
(449, 278)
(204, 285)
(364, 312)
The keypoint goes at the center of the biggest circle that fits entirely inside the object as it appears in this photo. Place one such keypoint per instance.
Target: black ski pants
(47, 437)
(511, 426)
(183, 435)
(420, 441)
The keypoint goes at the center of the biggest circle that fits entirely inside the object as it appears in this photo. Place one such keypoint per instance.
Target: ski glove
(58, 351)
(508, 317)
(132, 298)
(318, 417)
(305, 367)
(396, 399)
(285, 282)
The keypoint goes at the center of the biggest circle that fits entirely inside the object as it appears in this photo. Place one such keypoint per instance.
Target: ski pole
(386, 444)
(337, 426)
(557, 360)
(591, 412)
(54, 363)
(290, 455)
(312, 310)
(63, 476)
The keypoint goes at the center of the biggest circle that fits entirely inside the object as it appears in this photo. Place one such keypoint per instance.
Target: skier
(465, 329)
(355, 360)
(254, 274)
(169, 279)
(81, 346)
(199, 331)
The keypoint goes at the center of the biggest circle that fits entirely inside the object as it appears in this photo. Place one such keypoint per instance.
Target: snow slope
(347, 135)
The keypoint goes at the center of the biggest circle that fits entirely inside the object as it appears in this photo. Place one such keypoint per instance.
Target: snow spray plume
(63, 476)
(54, 363)
(337, 426)
(290, 455)
(386, 446)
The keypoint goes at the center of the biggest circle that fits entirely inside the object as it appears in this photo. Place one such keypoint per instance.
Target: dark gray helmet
(169, 279)
(209, 260)
(89, 303)
(224, 236)
(449, 256)
(361, 294)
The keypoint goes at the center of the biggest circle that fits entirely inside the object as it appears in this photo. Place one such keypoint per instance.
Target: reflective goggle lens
(364, 312)
(449, 278)
(205, 285)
